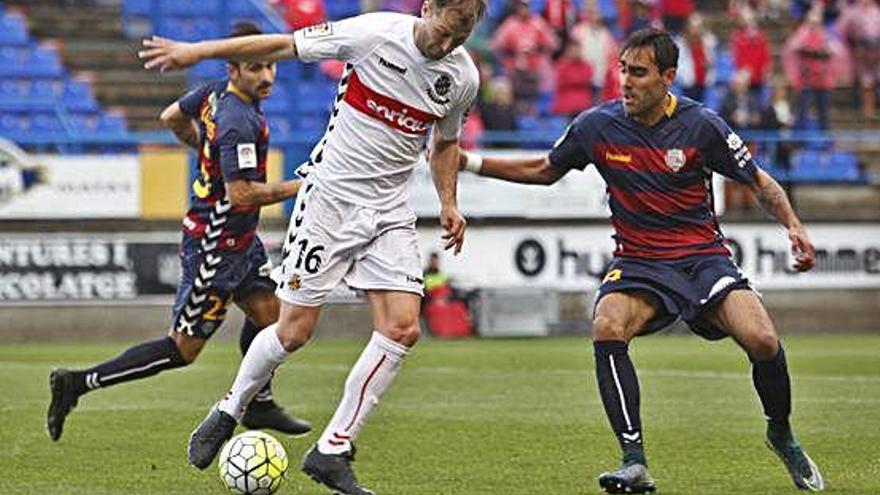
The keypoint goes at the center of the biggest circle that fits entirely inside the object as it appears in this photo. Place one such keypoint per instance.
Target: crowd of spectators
(554, 58)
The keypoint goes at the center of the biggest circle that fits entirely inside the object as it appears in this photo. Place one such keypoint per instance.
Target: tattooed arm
(773, 199)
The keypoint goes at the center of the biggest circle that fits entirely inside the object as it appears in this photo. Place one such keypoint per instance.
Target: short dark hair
(244, 28)
(665, 49)
(481, 7)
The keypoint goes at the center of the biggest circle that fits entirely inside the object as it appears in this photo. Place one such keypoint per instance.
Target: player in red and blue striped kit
(657, 153)
(222, 258)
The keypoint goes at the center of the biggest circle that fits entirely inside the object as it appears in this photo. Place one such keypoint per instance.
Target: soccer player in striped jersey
(657, 153)
(222, 258)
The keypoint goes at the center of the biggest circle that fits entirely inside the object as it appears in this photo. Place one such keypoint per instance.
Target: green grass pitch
(473, 417)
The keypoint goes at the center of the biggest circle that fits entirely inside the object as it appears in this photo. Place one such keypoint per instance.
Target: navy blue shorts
(685, 288)
(210, 281)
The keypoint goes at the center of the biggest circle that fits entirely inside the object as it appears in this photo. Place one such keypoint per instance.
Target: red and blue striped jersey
(658, 178)
(234, 146)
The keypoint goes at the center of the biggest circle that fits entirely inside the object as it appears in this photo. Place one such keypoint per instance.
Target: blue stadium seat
(280, 128)
(195, 8)
(85, 123)
(14, 61)
(189, 29)
(13, 29)
(824, 166)
(338, 9)
(209, 69)
(12, 124)
(243, 8)
(77, 96)
(724, 67)
(113, 124)
(46, 123)
(137, 7)
(44, 62)
(608, 10)
(278, 103)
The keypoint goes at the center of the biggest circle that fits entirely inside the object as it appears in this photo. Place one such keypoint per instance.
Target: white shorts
(331, 241)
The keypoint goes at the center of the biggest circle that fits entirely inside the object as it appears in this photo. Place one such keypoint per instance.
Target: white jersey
(389, 97)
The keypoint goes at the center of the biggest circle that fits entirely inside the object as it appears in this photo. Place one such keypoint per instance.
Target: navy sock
(773, 385)
(140, 361)
(619, 389)
(248, 333)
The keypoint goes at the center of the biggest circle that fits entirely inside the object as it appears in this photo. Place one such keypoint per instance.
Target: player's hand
(454, 224)
(802, 248)
(165, 54)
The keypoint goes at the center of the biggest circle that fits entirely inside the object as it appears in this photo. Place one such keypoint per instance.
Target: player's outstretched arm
(181, 124)
(523, 170)
(444, 170)
(773, 199)
(250, 194)
(165, 54)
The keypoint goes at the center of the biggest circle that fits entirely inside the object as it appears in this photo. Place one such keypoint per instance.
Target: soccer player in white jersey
(405, 76)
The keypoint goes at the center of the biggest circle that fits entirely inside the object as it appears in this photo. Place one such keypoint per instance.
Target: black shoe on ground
(208, 437)
(64, 398)
(803, 471)
(334, 471)
(269, 415)
(631, 478)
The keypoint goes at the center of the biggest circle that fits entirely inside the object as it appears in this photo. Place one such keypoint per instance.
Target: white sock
(367, 381)
(257, 367)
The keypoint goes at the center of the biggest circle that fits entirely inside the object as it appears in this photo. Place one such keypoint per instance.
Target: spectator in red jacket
(675, 14)
(301, 13)
(696, 59)
(751, 51)
(561, 16)
(597, 44)
(573, 83)
(807, 57)
(859, 24)
(523, 43)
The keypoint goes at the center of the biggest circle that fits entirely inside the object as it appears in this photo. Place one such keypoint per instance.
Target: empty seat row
(30, 61)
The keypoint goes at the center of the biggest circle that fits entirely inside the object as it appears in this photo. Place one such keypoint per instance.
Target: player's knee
(607, 329)
(763, 346)
(293, 337)
(405, 332)
(189, 348)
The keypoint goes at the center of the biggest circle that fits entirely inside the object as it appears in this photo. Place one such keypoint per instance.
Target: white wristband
(474, 163)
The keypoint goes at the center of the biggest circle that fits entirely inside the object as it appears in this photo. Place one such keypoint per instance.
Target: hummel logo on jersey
(441, 88)
(618, 157)
(388, 65)
(401, 118)
(414, 280)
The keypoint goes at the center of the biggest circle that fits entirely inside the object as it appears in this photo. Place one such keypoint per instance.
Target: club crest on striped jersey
(675, 159)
